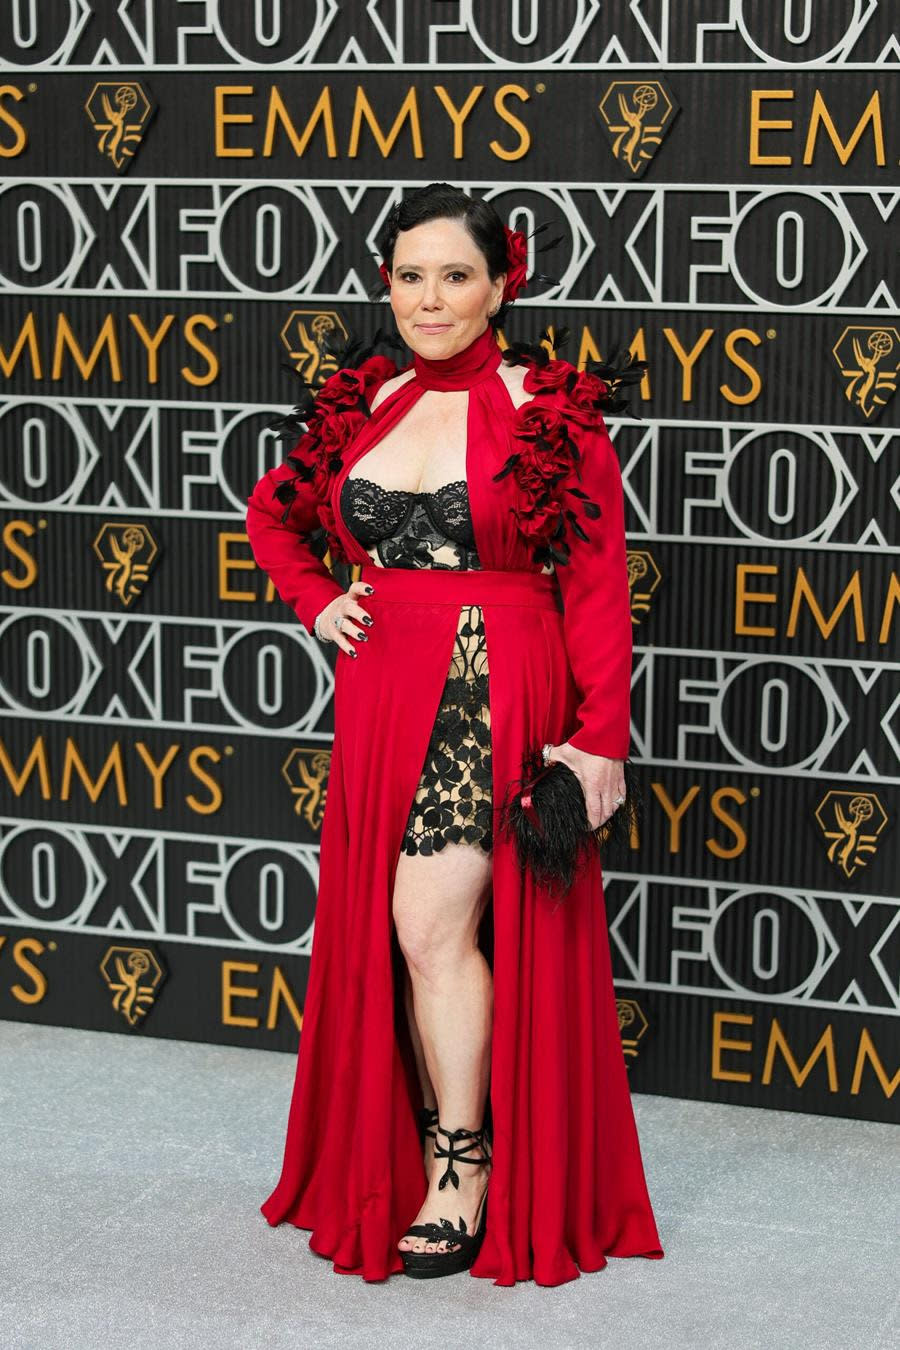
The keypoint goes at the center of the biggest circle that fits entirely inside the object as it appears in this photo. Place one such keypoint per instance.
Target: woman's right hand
(353, 617)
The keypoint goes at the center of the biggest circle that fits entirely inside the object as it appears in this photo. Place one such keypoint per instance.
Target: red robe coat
(567, 1186)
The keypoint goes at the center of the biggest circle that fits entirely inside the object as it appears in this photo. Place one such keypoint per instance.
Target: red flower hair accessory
(517, 264)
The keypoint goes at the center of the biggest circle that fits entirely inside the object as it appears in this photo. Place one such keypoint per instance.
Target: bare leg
(429, 1097)
(438, 905)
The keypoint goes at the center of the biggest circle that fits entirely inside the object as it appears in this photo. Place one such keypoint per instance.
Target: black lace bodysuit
(434, 529)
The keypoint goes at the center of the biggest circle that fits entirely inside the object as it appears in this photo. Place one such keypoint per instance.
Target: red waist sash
(478, 586)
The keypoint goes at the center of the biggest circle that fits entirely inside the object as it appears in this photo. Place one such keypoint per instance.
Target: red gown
(567, 1186)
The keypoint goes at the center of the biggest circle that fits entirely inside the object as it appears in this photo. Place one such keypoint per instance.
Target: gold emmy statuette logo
(127, 553)
(134, 976)
(306, 773)
(304, 335)
(632, 1025)
(643, 579)
(851, 822)
(869, 362)
(637, 115)
(120, 113)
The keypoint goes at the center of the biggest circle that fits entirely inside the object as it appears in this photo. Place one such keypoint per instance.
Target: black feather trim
(296, 427)
(616, 371)
(563, 843)
(551, 243)
(317, 543)
(520, 353)
(300, 428)
(349, 353)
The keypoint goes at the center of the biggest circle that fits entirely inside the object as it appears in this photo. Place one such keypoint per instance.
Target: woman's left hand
(602, 780)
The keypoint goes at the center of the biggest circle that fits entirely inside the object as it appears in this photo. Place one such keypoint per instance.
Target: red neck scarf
(470, 366)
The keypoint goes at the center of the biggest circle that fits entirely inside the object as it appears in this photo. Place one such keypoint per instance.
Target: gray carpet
(133, 1169)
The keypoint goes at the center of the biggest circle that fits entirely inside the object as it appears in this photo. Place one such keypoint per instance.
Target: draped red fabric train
(567, 1187)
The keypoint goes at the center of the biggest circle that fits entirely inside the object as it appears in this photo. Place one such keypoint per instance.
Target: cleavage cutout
(412, 529)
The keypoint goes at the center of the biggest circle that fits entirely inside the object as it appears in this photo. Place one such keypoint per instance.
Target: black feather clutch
(545, 813)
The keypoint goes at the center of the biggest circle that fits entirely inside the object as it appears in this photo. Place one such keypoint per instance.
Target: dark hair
(442, 201)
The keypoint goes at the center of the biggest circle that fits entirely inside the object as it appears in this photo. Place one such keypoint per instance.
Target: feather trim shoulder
(360, 371)
(597, 388)
(326, 418)
(545, 458)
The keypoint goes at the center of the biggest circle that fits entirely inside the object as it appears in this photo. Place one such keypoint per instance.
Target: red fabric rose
(546, 464)
(319, 449)
(516, 264)
(338, 429)
(533, 422)
(315, 469)
(554, 375)
(385, 274)
(538, 521)
(586, 398)
(545, 461)
(530, 478)
(377, 369)
(344, 386)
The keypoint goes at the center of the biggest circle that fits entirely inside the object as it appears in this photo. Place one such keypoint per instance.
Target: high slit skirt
(567, 1186)
(452, 804)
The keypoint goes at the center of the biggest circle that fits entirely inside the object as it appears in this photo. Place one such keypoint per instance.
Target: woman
(447, 989)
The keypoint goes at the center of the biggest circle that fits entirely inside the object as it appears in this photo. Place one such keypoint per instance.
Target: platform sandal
(466, 1245)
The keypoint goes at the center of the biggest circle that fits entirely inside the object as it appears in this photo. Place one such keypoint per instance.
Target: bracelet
(316, 629)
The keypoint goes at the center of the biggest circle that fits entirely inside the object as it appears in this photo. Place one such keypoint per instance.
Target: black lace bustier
(434, 529)
(412, 529)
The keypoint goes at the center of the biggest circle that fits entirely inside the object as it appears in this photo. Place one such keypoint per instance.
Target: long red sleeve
(282, 549)
(594, 587)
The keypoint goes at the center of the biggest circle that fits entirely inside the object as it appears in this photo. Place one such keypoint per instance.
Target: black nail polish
(368, 620)
(370, 590)
(363, 637)
(354, 652)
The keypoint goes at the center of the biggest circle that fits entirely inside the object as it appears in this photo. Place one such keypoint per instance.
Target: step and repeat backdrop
(190, 198)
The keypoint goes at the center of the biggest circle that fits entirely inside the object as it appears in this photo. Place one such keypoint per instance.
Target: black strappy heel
(466, 1245)
(427, 1117)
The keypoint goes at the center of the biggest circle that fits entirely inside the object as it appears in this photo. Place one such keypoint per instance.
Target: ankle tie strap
(427, 1117)
(457, 1150)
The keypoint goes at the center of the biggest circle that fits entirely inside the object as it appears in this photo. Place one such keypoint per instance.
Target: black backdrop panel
(257, 126)
(189, 199)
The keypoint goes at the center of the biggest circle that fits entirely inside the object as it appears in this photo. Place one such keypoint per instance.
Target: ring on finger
(338, 620)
